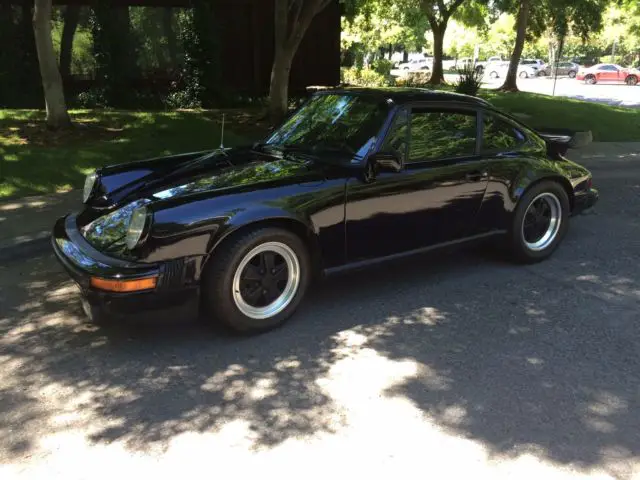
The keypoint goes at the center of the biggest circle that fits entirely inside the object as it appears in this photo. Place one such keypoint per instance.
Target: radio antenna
(222, 134)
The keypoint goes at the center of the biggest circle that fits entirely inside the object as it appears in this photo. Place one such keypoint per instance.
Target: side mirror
(386, 162)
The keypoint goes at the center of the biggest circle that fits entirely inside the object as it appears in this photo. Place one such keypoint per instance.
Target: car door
(435, 196)
(607, 73)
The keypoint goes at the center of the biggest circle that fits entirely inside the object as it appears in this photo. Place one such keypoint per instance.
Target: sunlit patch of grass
(35, 160)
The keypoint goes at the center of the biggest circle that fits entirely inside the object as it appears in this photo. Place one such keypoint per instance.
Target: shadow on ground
(519, 367)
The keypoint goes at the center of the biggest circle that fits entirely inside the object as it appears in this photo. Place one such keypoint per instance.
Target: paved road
(454, 367)
(611, 94)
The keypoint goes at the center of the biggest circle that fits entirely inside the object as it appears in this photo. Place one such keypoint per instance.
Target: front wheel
(523, 75)
(540, 222)
(493, 74)
(255, 282)
(590, 80)
(572, 73)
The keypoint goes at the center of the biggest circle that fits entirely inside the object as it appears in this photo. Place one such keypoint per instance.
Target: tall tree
(292, 20)
(438, 13)
(71, 18)
(522, 20)
(57, 115)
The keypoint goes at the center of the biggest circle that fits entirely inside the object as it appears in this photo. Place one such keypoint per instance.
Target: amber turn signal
(136, 285)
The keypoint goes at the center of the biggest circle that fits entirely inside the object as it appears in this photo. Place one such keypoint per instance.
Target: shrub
(414, 79)
(470, 81)
(383, 66)
(363, 77)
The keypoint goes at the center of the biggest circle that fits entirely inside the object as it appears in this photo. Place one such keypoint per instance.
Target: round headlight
(136, 227)
(89, 183)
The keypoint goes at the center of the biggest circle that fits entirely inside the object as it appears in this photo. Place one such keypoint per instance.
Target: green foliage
(414, 79)
(382, 23)
(382, 66)
(115, 53)
(470, 81)
(198, 84)
(363, 77)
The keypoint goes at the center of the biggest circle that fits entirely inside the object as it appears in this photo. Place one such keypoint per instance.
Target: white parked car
(533, 62)
(417, 64)
(500, 69)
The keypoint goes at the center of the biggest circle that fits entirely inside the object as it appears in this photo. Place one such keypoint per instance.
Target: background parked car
(499, 70)
(533, 62)
(564, 68)
(417, 64)
(609, 73)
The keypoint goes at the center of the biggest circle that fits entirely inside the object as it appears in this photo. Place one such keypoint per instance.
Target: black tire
(523, 75)
(572, 74)
(217, 285)
(590, 79)
(517, 243)
(632, 80)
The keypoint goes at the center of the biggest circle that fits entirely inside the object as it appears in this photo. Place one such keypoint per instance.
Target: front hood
(190, 173)
(106, 228)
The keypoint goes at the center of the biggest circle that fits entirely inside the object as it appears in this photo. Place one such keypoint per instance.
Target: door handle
(476, 176)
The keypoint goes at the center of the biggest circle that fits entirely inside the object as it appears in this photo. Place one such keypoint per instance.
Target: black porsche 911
(353, 177)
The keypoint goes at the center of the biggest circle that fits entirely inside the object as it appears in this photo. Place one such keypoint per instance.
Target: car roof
(402, 95)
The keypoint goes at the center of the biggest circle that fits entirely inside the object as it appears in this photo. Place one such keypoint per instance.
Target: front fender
(196, 228)
(261, 214)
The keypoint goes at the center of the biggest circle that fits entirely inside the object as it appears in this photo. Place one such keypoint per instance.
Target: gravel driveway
(459, 366)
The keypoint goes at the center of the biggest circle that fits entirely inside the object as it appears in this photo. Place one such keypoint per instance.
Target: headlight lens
(136, 227)
(89, 183)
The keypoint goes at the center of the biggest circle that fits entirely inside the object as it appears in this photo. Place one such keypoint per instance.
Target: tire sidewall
(219, 289)
(519, 246)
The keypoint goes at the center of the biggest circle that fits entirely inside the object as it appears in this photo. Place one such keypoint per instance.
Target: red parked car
(609, 72)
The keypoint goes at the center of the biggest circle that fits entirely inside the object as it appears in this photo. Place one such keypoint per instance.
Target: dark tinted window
(610, 68)
(500, 135)
(441, 135)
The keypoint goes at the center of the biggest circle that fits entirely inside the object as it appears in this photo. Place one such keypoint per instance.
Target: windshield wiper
(290, 151)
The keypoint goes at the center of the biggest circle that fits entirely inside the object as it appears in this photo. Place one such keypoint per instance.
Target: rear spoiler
(560, 140)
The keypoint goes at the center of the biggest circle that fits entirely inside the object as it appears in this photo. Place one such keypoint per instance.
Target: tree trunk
(437, 74)
(71, 19)
(405, 56)
(279, 89)
(169, 32)
(57, 116)
(510, 82)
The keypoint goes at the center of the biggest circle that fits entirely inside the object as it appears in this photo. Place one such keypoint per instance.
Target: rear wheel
(256, 281)
(632, 80)
(572, 74)
(590, 79)
(540, 222)
(493, 74)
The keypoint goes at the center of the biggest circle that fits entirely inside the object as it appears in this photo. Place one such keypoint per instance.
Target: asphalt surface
(456, 366)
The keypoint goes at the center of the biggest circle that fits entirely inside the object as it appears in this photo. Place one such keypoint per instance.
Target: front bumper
(176, 286)
(585, 200)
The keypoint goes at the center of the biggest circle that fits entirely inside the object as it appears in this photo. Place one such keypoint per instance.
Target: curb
(21, 247)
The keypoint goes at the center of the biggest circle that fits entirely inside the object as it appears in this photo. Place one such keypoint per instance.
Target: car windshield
(333, 123)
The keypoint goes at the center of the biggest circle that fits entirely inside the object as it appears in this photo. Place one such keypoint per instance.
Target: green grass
(607, 123)
(34, 160)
